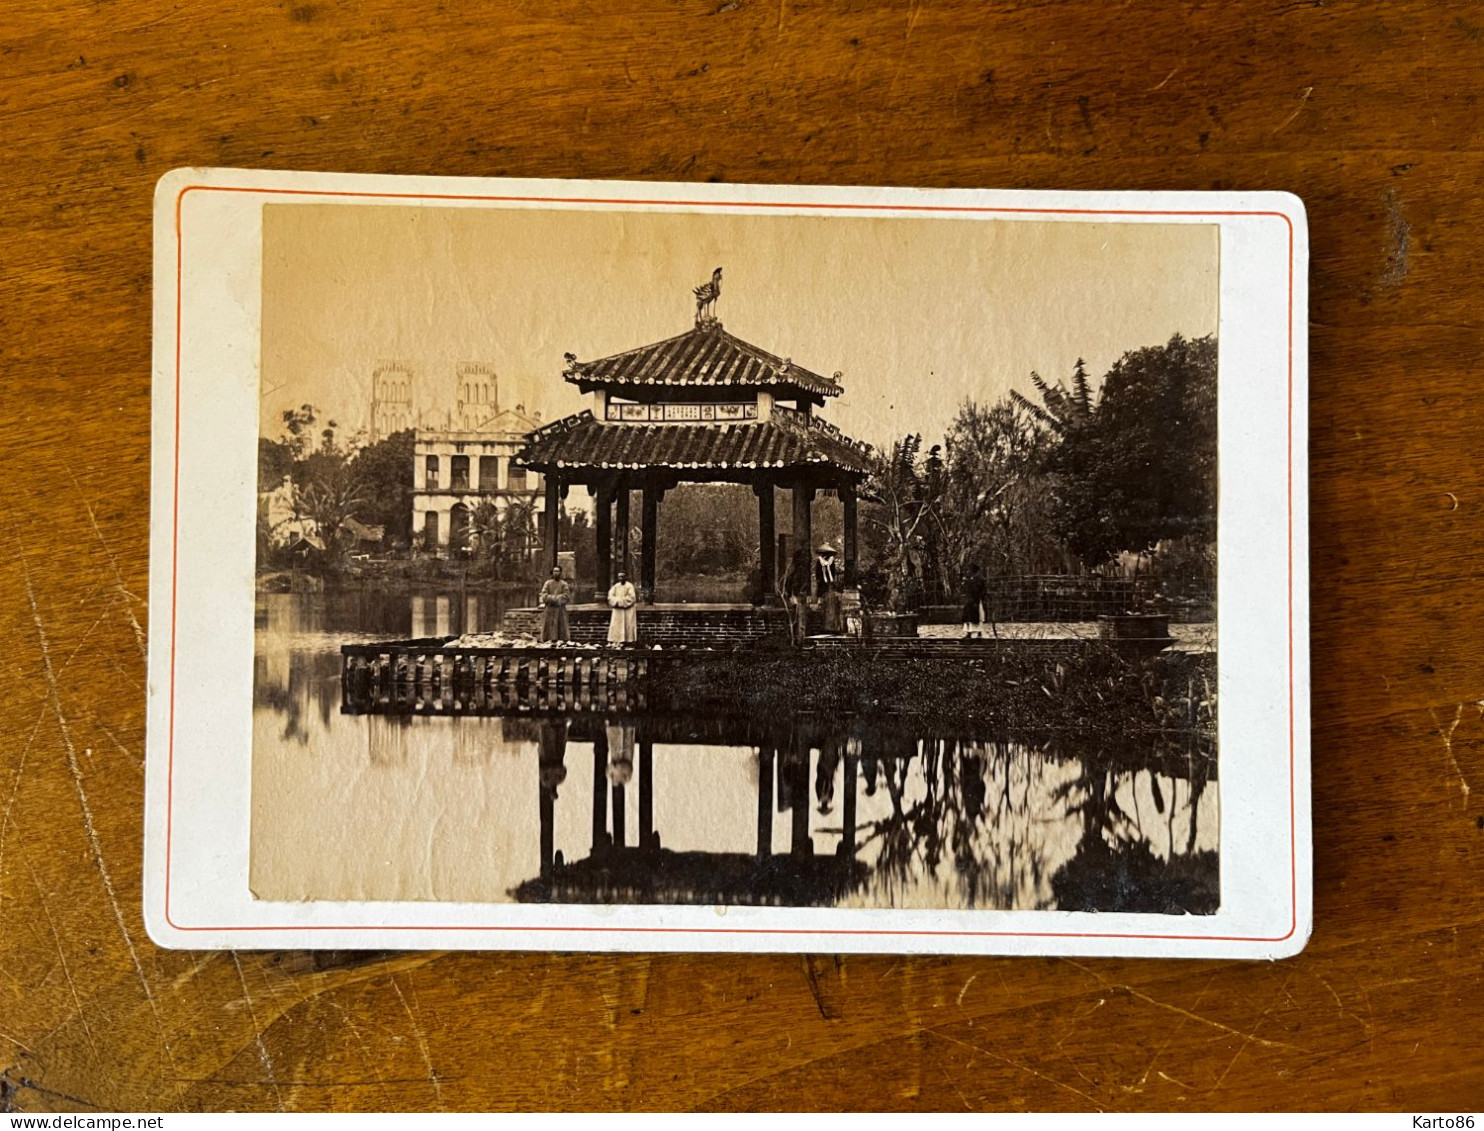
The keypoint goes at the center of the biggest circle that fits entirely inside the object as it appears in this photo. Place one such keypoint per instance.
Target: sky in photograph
(917, 313)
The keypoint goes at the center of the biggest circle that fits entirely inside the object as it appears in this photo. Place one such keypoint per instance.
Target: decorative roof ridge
(803, 422)
(564, 424)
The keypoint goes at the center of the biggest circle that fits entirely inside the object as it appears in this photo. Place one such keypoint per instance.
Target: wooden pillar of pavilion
(767, 543)
(803, 496)
(646, 794)
(548, 830)
(605, 542)
(600, 790)
(649, 541)
(621, 524)
(800, 843)
(848, 816)
(764, 801)
(549, 524)
(620, 810)
(848, 503)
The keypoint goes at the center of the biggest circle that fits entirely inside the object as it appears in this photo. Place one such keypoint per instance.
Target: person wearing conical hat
(829, 579)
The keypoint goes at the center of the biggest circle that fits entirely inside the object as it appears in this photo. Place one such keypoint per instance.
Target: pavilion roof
(704, 356)
(789, 439)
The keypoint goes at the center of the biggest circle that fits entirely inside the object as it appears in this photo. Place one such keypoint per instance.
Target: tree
(707, 528)
(999, 499)
(275, 461)
(1063, 410)
(383, 473)
(1138, 466)
(907, 490)
(328, 500)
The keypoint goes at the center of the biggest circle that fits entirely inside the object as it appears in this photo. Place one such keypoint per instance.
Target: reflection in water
(806, 810)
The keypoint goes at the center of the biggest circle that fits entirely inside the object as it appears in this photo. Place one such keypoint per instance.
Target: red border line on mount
(560, 200)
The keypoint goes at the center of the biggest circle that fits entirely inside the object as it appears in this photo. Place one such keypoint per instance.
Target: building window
(516, 478)
(458, 473)
(489, 473)
(431, 479)
(430, 531)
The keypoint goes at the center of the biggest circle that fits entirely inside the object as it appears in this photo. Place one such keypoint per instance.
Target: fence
(1071, 598)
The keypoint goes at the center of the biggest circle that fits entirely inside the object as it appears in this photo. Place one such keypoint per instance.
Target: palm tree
(1062, 409)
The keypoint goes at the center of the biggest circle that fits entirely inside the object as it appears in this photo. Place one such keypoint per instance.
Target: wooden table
(1369, 112)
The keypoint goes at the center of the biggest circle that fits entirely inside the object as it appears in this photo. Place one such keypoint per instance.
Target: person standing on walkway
(829, 579)
(975, 592)
(623, 624)
(556, 594)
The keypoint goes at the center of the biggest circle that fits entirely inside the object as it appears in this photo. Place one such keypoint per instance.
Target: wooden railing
(426, 677)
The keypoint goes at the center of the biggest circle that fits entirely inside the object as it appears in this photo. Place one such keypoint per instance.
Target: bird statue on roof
(706, 296)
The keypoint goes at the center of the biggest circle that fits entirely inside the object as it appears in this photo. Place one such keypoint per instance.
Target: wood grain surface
(1368, 111)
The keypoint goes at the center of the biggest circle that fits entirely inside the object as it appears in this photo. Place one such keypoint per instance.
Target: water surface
(632, 806)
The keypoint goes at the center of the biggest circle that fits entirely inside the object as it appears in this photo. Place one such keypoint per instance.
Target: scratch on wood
(113, 561)
(829, 1010)
(134, 758)
(965, 990)
(1303, 101)
(1185, 1012)
(1447, 737)
(1017, 1065)
(66, 970)
(1398, 241)
(89, 826)
(9, 1085)
(422, 1045)
(15, 787)
(1251, 1037)
(257, 1034)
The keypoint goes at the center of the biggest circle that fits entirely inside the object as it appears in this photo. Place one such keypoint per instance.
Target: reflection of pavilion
(905, 816)
(704, 406)
(617, 871)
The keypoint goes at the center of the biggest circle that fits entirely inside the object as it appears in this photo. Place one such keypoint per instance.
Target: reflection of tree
(296, 681)
(310, 687)
(983, 818)
(1117, 866)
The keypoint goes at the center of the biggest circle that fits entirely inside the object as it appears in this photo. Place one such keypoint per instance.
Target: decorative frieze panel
(681, 413)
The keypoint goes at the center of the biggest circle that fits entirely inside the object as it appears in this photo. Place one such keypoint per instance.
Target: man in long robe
(556, 593)
(623, 623)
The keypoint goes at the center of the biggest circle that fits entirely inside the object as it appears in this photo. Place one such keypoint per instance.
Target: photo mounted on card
(620, 566)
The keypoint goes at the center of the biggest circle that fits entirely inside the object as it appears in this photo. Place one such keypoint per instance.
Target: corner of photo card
(168, 187)
(157, 925)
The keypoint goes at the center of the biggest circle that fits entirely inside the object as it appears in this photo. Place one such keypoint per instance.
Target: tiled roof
(705, 355)
(789, 440)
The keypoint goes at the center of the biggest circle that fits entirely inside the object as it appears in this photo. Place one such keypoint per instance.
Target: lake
(635, 806)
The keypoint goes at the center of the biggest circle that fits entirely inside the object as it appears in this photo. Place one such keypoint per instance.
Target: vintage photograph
(621, 556)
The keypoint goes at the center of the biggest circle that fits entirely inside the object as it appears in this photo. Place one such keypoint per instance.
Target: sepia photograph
(614, 556)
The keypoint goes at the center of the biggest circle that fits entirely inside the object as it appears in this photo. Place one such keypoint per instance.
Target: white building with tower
(466, 460)
(391, 399)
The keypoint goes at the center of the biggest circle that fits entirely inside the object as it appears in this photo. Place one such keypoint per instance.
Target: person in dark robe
(975, 591)
(829, 579)
(556, 594)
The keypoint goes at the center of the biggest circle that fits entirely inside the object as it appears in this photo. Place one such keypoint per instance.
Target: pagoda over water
(704, 407)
